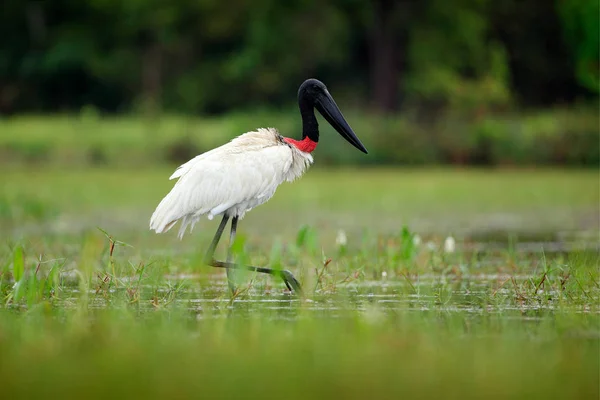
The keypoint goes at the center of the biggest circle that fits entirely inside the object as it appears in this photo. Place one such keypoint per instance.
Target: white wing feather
(236, 177)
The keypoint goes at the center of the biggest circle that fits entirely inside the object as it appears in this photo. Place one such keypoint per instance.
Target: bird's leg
(230, 271)
(288, 278)
(210, 253)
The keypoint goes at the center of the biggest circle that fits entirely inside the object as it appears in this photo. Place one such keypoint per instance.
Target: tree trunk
(151, 79)
(383, 58)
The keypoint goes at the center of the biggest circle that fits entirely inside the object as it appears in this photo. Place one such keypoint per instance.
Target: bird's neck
(310, 126)
(306, 145)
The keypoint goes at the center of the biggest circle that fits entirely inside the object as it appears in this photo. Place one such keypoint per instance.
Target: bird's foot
(288, 278)
(291, 282)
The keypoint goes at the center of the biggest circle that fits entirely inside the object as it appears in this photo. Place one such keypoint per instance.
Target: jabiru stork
(244, 173)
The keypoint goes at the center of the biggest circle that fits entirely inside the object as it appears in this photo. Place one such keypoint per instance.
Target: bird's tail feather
(165, 215)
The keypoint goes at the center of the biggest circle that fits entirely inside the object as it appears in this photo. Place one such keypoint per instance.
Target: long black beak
(331, 112)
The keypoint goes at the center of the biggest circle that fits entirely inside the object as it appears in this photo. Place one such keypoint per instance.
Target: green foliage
(18, 264)
(453, 61)
(553, 137)
(209, 56)
(29, 287)
(307, 237)
(581, 25)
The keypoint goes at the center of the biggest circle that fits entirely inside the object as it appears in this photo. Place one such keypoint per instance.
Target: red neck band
(305, 145)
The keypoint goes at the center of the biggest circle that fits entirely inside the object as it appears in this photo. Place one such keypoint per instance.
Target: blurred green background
(475, 274)
(422, 82)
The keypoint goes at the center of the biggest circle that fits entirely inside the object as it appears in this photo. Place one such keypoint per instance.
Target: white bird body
(244, 173)
(231, 179)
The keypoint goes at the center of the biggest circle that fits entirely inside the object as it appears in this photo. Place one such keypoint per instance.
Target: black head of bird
(313, 94)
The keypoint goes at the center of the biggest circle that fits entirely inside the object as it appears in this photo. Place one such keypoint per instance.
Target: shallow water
(471, 295)
(474, 279)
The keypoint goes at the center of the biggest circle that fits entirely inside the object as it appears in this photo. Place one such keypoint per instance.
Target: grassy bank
(552, 137)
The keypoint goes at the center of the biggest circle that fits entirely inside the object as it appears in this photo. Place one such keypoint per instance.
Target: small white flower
(341, 239)
(430, 246)
(384, 274)
(449, 245)
(416, 240)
